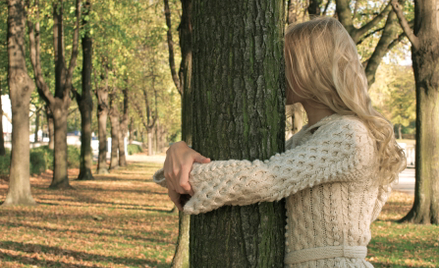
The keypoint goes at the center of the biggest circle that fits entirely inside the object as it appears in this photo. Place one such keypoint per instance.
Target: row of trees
(74, 50)
(231, 62)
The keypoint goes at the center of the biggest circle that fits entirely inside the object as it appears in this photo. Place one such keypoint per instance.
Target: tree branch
(369, 34)
(177, 81)
(34, 40)
(374, 21)
(405, 25)
(75, 47)
(326, 7)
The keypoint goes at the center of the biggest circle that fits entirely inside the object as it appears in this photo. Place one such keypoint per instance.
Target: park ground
(123, 219)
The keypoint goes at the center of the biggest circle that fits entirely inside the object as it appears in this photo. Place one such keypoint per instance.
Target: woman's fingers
(184, 185)
(201, 159)
(175, 197)
(178, 165)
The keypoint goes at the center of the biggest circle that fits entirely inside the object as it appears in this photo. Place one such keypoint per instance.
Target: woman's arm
(338, 151)
(175, 172)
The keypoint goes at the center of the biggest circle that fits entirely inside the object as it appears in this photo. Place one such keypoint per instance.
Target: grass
(402, 245)
(123, 219)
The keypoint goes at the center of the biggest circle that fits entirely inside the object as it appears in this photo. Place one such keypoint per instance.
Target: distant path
(146, 158)
(406, 178)
(406, 181)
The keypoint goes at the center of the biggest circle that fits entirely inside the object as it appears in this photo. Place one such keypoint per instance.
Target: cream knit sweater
(328, 176)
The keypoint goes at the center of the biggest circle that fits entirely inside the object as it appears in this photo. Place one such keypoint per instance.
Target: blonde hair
(322, 64)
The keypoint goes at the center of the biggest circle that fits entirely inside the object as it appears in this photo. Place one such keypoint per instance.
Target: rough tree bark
(60, 102)
(85, 102)
(238, 87)
(20, 89)
(102, 114)
(183, 85)
(425, 57)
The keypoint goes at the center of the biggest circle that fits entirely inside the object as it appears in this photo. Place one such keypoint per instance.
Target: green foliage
(134, 149)
(74, 156)
(5, 161)
(394, 95)
(42, 158)
(38, 161)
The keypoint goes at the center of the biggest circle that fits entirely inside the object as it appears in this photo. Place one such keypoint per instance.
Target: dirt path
(146, 158)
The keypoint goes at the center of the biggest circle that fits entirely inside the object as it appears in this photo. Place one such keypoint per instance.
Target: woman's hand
(177, 167)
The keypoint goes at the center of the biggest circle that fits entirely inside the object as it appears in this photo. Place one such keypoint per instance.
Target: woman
(336, 173)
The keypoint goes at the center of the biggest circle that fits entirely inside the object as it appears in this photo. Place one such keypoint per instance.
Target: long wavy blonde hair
(323, 65)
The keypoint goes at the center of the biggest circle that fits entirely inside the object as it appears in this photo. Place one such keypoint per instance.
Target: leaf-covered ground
(123, 220)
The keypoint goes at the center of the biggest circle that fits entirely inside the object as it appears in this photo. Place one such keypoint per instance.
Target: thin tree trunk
(2, 138)
(123, 128)
(399, 131)
(181, 255)
(238, 114)
(37, 125)
(102, 111)
(131, 131)
(85, 104)
(20, 89)
(150, 142)
(115, 131)
(50, 127)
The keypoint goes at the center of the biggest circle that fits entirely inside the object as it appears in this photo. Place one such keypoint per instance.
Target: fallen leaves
(118, 220)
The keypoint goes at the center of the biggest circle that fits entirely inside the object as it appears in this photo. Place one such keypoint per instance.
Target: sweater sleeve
(159, 178)
(338, 151)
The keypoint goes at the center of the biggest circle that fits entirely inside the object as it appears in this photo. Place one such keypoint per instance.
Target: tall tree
(102, 114)
(238, 95)
(115, 131)
(2, 139)
(84, 100)
(183, 85)
(123, 126)
(425, 56)
(20, 89)
(60, 101)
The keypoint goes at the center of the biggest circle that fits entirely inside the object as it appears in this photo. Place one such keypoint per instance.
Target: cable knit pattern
(328, 175)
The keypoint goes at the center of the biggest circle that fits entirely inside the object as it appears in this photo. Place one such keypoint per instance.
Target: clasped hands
(177, 167)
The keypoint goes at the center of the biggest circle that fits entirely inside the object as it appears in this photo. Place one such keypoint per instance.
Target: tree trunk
(390, 33)
(114, 120)
(425, 57)
(20, 89)
(102, 111)
(85, 104)
(37, 125)
(314, 8)
(60, 101)
(60, 178)
(131, 131)
(399, 131)
(2, 138)
(123, 128)
(181, 255)
(150, 142)
(238, 87)
(50, 128)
